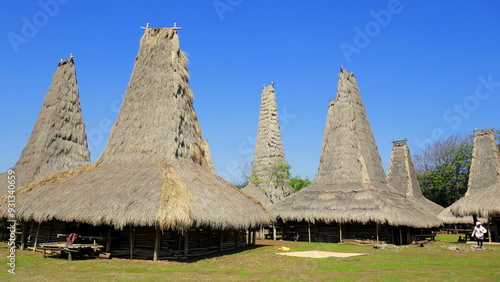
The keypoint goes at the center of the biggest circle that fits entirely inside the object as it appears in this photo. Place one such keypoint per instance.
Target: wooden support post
(220, 241)
(340, 232)
(132, 241)
(489, 232)
(36, 236)
(157, 244)
(274, 231)
(186, 244)
(70, 256)
(236, 238)
(23, 235)
(50, 232)
(377, 233)
(108, 241)
(309, 230)
(400, 236)
(254, 237)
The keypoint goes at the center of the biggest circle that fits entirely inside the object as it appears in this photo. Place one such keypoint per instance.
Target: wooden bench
(70, 249)
(430, 237)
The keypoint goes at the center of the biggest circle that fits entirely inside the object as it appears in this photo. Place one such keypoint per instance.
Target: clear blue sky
(424, 68)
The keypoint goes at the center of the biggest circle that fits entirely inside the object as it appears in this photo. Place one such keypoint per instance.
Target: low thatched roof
(403, 177)
(483, 189)
(58, 141)
(449, 218)
(351, 185)
(268, 153)
(154, 170)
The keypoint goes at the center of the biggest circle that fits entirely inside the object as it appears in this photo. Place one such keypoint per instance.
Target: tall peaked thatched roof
(58, 140)
(351, 185)
(268, 153)
(403, 177)
(483, 189)
(154, 169)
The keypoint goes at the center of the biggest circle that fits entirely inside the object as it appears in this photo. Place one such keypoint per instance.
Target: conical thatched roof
(58, 141)
(403, 177)
(154, 170)
(351, 185)
(483, 192)
(268, 153)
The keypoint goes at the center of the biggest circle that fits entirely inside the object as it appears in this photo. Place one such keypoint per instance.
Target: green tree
(443, 169)
(297, 183)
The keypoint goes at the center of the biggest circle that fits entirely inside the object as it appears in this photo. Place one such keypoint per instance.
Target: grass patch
(434, 262)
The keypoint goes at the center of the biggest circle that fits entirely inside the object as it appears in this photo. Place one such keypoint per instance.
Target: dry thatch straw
(268, 153)
(154, 170)
(351, 185)
(483, 189)
(403, 177)
(208, 156)
(58, 141)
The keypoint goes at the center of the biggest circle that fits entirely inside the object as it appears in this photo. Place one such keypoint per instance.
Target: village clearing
(443, 260)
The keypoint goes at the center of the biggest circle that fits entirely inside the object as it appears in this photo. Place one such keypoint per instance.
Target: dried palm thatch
(351, 185)
(483, 189)
(58, 141)
(403, 177)
(154, 170)
(268, 154)
(449, 218)
(208, 155)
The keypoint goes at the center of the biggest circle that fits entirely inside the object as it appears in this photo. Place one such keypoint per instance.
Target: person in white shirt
(479, 232)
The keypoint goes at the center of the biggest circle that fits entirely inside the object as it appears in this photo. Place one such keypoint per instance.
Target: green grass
(410, 263)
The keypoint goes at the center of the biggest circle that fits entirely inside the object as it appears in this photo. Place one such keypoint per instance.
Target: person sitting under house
(71, 238)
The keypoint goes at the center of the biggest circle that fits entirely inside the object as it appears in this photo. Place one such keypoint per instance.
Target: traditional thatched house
(152, 192)
(483, 189)
(58, 141)
(403, 177)
(350, 197)
(269, 156)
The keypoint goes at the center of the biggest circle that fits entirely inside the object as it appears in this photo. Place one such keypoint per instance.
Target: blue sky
(426, 69)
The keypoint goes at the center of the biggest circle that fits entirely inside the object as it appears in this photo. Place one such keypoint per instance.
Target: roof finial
(71, 55)
(147, 26)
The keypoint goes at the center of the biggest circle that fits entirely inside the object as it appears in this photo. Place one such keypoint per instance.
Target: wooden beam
(309, 230)
(274, 231)
(340, 232)
(220, 241)
(186, 244)
(400, 236)
(254, 237)
(23, 235)
(132, 241)
(108, 241)
(377, 233)
(36, 236)
(157, 244)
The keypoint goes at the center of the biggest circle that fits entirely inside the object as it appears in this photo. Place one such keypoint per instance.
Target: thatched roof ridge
(483, 189)
(268, 152)
(485, 164)
(208, 155)
(154, 170)
(351, 185)
(403, 177)
(58, 140)
(349, 153)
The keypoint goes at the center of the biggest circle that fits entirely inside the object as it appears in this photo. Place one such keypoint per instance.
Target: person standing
(479, 232)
